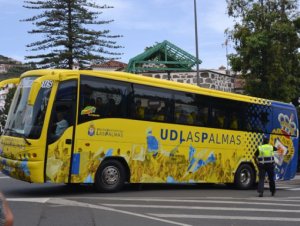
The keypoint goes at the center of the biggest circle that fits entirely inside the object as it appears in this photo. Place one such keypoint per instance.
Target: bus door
(60, 137)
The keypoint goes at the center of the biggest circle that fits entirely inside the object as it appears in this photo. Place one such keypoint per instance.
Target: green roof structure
(163, 56)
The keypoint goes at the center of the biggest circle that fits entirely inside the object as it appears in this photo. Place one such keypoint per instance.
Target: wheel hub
(245, 177)
(110, 175)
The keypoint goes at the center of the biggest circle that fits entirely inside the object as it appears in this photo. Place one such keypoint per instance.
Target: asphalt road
(54, 205)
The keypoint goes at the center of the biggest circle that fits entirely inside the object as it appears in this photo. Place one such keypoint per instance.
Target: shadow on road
(58, 190)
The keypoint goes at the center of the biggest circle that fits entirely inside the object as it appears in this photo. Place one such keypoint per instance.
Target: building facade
(212, 79)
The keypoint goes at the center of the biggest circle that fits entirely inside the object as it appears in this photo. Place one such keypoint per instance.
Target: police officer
(265, 159)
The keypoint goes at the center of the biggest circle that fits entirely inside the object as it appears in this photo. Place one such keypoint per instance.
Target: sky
(142, 23)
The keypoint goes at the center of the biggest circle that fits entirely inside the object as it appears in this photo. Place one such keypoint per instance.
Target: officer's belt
(266, 159)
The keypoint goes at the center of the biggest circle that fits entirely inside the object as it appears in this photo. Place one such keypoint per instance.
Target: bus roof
(140, 79)
(9, 81)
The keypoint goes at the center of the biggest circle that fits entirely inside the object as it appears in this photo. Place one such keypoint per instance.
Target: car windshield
(25, 120)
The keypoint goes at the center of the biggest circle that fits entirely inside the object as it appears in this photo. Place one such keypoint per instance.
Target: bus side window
(61, 124)
(151, 103)
(109, 98)
(111, 108)
(162, 114)
(191, 118)
(234, 121)
(186, 109)
(219, 119)
(92, 102)
(99, 107)
(139, 110)
(64, 110)
(203, 116)
(258, 118)
(180, 116)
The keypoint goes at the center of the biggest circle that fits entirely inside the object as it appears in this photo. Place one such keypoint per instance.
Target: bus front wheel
(110, 176)
(244, 177)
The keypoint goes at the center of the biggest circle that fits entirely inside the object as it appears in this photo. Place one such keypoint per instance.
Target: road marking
(294, 189)
(66, 202)
(293, 198)
(4, 177)
(37, 200)
(160, 217)
(264, 203)
(191, 216)
(202, 208)
(281, 187)
(81, 204)
(296, 177)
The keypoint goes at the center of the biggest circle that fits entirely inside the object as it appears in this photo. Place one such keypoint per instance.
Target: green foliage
(265, 37)
(69, 36)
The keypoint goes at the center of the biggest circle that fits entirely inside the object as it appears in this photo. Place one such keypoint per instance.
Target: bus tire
(244, 177)
(110, 176)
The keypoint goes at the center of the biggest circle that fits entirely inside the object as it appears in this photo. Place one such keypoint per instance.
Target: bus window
(102, 98)
(139, 109)
(99, 106)
(64, 110)
(33, 119)
(203, 115)
(259, 118)
(219, 115)
(234, 121)
(186, 110)
(203, 110)
(151, 103)
(218, 118)
(227, 114)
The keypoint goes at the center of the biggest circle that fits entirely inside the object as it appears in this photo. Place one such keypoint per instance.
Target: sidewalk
(294, 181)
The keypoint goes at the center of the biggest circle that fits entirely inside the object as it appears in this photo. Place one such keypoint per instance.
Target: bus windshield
(25, 120)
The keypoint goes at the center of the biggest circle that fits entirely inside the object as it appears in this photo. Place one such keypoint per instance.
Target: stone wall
(207, 79)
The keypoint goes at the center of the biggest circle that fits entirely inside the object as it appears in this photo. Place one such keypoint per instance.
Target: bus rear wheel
(110, 176)
(244, 177)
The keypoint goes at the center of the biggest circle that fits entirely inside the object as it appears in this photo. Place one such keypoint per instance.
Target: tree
(265, 37)
(69, 34)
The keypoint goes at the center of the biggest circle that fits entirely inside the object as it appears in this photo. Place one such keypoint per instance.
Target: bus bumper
(30, 171)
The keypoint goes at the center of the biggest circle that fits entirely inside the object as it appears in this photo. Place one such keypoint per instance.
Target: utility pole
(196, 41)
(226, 49)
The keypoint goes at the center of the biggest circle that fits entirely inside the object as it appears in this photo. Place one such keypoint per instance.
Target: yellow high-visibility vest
(266, 153)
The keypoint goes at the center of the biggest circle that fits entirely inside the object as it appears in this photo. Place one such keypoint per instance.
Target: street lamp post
(196, 41)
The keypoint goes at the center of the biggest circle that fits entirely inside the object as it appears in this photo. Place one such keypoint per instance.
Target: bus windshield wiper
(15, 132)
(27, 142)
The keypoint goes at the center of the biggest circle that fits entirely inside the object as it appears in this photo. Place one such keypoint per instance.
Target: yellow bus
(7, 88)
(9, 81)
(112, 128)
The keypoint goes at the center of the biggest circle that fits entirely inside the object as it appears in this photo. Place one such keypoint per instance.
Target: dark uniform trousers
(263, 169)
